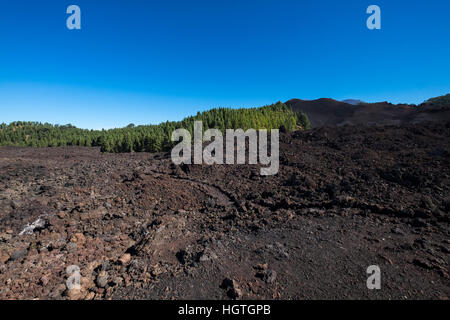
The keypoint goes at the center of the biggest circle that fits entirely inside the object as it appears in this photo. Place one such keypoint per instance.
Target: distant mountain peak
(353, 101)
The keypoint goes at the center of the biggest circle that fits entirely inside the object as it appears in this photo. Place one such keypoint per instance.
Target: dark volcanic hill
(329, 112)
(353, 101)
(323, 111)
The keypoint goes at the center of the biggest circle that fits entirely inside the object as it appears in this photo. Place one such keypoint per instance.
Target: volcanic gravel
(139, 227)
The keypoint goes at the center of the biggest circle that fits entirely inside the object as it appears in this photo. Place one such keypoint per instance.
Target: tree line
(149, 138)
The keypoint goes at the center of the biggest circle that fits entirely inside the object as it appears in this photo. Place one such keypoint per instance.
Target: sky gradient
(144, 62)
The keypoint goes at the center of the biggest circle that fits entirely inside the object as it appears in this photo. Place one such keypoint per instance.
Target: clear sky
(147, 61)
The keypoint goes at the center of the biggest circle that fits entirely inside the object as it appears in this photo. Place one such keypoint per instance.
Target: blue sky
(149, 61)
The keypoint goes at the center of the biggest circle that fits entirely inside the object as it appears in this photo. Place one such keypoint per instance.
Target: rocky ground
(139, 227)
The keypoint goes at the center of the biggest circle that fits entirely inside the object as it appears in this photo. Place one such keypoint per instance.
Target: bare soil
(140, 227)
